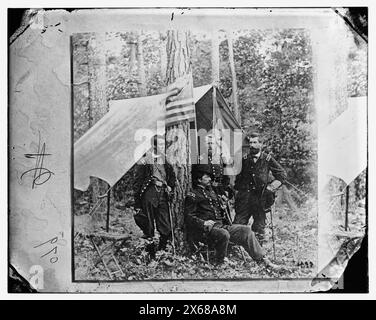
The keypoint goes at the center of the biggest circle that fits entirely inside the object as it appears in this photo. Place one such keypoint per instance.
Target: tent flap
(116, 142)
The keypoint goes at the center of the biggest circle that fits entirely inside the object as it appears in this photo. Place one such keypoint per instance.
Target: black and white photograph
(195, 145)
(190, 220)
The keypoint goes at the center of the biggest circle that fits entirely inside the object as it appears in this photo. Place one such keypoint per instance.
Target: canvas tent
(207, 112)
(344, 147)
(113, 145)
(344, 142)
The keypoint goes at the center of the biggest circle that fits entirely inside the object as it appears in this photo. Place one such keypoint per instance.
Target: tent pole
(214, 104)
(108, 210)
(215, 121)
(196, 138)
(347, 208)
(198, 149)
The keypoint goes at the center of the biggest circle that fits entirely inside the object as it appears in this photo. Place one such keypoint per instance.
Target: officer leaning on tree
(255, 191)
(206, 220)
(154, 182)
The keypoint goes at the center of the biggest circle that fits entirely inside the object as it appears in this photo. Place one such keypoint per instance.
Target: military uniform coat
(144, 177)
(253, 199)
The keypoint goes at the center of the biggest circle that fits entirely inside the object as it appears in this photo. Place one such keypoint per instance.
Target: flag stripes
(186, 109)
(179, 103)
(181, 110)
(187, 114)
(174, 120)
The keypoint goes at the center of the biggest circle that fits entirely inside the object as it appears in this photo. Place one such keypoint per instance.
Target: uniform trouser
(154, 208)
(247, 204)
(237, 234)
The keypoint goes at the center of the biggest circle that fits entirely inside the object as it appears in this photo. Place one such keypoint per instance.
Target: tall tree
(141, 65)
(163, 57)
(215, 57)
(98, 104)
(80, 84)
(178, 65)
(132, 52)
(97, 77)
(233, 76)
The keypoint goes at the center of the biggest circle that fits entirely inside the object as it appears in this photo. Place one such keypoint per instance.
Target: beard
(254, 151)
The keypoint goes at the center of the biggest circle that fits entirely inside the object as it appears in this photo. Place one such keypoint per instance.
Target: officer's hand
(169, 189)
(215, 184)
(209, 224)
(224, 198)
(273, 186)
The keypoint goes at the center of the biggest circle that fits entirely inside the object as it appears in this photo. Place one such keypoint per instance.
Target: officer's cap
(198, 170)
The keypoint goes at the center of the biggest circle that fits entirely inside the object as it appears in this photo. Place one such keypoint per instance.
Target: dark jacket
(255, 176)
(216, 169)
(143, 178)
(202, 205)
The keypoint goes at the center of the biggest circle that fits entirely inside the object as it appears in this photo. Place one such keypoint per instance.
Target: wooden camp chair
(105, 244)
(201, 249)
(240, 249)
(111, 244)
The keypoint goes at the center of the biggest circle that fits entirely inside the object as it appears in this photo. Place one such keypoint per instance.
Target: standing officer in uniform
(255, 190)
(217, 157)
(206, 220)
(154, 181)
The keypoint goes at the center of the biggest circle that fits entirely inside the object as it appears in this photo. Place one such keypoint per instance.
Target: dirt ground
(295, 237)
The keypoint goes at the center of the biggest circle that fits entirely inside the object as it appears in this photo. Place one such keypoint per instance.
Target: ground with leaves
(295, 235)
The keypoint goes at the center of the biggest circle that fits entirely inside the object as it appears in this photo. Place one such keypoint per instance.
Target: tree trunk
(98, 104)
(178, 64)
(215, 58)
(233, 77)
(141, 67)
(97, 77)
(132, 55)
(80, 84)
(163, 57)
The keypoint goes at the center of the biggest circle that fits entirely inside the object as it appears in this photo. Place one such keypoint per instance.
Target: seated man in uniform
(206, 220)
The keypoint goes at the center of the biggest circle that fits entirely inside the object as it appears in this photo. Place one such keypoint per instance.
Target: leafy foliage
(357, 71)
(287, 118)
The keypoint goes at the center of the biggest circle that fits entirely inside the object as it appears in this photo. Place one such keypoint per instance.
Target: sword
(172, 225)
(271, 222)
(227, 212)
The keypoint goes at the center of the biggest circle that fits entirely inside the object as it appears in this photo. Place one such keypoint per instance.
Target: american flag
(180, 105)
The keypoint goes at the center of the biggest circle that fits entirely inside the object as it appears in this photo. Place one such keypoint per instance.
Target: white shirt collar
(256, 156)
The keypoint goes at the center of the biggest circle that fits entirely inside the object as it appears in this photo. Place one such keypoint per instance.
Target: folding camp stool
(108, 253)
(202, 247)
(240, 249)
